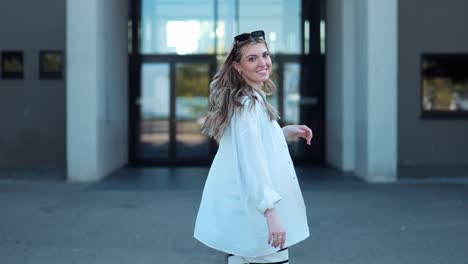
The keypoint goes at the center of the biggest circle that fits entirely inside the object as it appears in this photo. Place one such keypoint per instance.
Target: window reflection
(273, 99)
(280, 20)
(154, 110)
(227, 26)
(445, 82)
(291, 93)
(291, 103)
(192, 89)
(188, 26)
(322, 36)
(181, 27)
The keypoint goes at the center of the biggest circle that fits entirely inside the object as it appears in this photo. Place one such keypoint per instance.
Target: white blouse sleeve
(254, 179)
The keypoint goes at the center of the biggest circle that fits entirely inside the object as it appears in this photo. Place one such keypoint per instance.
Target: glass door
(191, 104)
(172, 105)
(155, 107)
(175, 48)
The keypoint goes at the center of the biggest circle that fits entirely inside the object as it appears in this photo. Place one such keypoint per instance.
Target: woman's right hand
(277, 235)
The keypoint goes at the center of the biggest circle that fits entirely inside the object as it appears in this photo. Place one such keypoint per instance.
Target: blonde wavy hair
(227, 90)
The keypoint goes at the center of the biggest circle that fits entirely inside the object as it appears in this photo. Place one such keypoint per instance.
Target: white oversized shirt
(252, 171)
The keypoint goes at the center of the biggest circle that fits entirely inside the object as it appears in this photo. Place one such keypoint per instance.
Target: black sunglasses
(246, 36)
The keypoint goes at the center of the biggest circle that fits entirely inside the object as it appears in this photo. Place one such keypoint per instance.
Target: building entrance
(175, 48)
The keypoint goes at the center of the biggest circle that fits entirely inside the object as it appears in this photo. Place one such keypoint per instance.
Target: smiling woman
(255, 66)
(252, 206)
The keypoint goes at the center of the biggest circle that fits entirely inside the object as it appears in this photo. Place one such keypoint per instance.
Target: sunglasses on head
(246, 36)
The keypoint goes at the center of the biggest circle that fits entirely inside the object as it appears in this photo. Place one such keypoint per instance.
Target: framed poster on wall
(12, 65)
(50, 64)
(444, 85)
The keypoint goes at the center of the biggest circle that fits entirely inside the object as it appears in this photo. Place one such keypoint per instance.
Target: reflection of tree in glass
(52, 62)
(273, 99)
(192, 90)
(274, 74)
(439, 92)
(445, 82)
(192, 80)
(13, 64)
(442, 94)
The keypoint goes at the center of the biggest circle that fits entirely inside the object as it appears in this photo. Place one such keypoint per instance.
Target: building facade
(135, 77)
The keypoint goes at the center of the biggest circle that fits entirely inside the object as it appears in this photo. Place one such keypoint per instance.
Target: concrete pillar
(362, 87)
(376, 89)
(97, 101)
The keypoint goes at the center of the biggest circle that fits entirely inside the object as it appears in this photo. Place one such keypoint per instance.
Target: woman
(252, 207)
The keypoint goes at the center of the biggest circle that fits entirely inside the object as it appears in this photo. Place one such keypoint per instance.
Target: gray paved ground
(147, 216)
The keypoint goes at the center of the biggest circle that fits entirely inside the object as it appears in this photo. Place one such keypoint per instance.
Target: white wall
(97, 118)
(428, 26)
(32, 115)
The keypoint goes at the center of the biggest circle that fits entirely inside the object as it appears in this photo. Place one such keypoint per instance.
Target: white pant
(280, 257)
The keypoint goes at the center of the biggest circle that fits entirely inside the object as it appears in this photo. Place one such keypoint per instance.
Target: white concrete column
(81, 89)
(97, 117)
(376, 89)
(362, 87)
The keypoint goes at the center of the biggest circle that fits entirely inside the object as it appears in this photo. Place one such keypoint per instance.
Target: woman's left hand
(302, 131)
